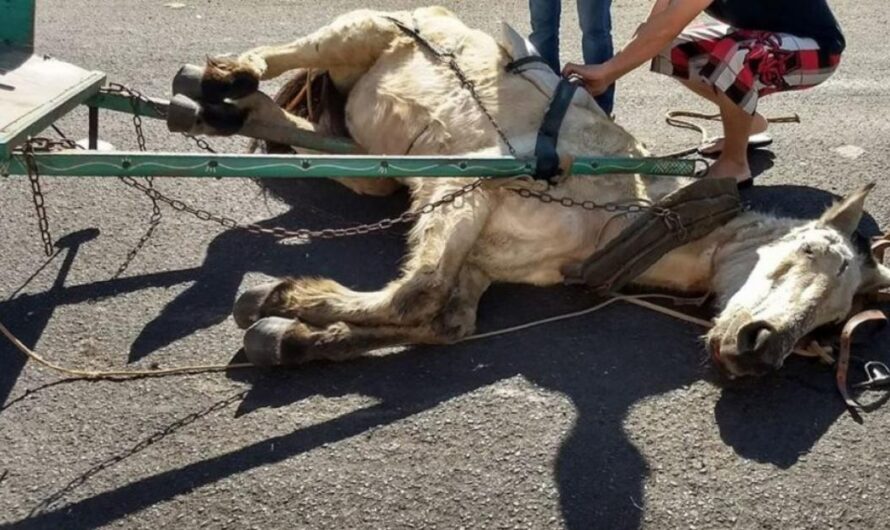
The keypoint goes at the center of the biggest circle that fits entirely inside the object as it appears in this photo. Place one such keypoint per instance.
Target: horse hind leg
(439, 242)
(283, 341)
(353, 42)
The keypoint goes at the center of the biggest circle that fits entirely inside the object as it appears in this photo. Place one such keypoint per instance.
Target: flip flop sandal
(743, 185)
(755, 141)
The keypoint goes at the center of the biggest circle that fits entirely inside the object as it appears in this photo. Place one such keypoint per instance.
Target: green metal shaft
(138, 164)
(157, 109)
(122, 103)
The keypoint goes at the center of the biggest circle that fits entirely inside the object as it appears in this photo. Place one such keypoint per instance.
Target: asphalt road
(607, 421)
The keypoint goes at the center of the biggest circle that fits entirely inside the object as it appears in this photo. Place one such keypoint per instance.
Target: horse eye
(808, 250)
(843, 269)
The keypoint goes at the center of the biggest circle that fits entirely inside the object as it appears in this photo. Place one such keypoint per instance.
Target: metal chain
(155, 218)
(305, 233)
(450, 60)
(38, 198)
(136, 97)
(670, 218)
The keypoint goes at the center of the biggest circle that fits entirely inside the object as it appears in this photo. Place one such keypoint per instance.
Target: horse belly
(528, 242)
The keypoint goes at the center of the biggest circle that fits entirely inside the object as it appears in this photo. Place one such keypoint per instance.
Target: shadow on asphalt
(604, 363)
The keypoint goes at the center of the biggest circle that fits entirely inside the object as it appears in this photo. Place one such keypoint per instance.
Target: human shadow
(603, 363)
(28, 315)
(602, 366)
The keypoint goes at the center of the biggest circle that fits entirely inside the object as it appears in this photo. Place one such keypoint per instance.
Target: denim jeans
(596, 35)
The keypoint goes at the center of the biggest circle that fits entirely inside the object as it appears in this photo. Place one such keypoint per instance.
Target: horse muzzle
(753, 348)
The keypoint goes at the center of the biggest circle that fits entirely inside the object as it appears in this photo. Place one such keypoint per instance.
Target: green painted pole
(158, 108)
(120, 103)
(138, 164)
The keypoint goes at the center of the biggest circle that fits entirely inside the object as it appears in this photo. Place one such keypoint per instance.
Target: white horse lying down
(775, 279)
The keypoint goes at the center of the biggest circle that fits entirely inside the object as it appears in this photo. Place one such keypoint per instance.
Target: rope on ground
(117, 374)
(640, 300)
(675, 118)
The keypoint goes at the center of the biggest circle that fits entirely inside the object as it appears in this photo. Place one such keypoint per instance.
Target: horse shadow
(604, 364)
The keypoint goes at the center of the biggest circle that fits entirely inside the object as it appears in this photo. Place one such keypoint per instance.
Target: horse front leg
(282, 341)
(353, 42)
(439, 244)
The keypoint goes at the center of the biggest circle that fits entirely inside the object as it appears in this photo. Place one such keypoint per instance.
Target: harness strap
(513, 66)
(547, 165)
(843, 362)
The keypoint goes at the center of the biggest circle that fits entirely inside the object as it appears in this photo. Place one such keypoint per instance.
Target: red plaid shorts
(746, 64)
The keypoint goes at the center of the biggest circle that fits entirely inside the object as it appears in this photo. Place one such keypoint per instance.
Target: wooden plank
(17, 26)
(36, 91)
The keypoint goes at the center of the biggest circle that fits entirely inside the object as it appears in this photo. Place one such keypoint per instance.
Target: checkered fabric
(745, 64)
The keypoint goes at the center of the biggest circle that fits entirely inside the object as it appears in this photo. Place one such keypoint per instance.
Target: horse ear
(874, 279)
(845, 215)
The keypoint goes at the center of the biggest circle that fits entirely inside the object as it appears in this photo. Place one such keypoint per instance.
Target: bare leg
(759, 123)
(737, 126)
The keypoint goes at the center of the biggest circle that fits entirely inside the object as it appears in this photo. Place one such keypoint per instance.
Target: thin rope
(117, 374)
(640, 300)
(674, 118)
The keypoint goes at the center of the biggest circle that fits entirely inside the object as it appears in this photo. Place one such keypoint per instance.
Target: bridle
(877, 373)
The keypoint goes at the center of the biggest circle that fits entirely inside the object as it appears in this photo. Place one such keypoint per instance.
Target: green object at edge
(138, 164)
(17, 23)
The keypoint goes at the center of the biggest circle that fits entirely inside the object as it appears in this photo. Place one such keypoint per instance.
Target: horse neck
(720, 262)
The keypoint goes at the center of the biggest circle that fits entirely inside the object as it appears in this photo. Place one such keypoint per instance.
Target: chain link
(449, 59)
(155, 219)
(305, 233)
(137, 97)
(668, 216)
(39, 201)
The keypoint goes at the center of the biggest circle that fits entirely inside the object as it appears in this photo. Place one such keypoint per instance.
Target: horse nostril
(753, 337)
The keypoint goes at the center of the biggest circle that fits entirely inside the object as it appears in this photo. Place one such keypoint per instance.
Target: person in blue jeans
(596, 36)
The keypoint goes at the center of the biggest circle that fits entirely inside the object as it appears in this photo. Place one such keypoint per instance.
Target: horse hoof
(187, 81)
(227, 78)
(183, 114)
(247, 308)
(262, 341)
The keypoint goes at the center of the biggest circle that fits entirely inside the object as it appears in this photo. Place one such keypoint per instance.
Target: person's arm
(652, 37)
(658, 7)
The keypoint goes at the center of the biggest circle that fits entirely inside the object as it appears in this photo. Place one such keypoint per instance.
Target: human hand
(596, 77)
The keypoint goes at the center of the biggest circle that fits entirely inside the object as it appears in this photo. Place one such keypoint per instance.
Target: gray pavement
(608, 421)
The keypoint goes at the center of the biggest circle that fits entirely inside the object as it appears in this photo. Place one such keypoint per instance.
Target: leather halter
(547, 158)
(515, 67)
